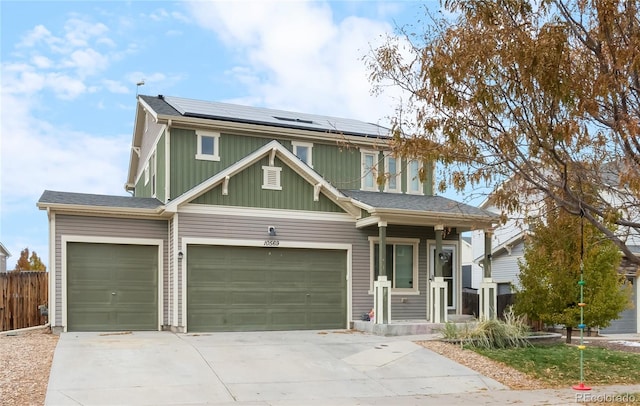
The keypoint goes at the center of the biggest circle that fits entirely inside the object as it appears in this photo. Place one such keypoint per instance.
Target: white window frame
(266, 170)
(216, 145)
(415, 242)
(373, 171)
(297, 144)
(411, 191)
(387, 187)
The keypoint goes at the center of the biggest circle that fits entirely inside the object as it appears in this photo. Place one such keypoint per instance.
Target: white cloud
(38, 34)
(66, 159)
(79, 32)
(86, 62)
(115, 86)
(41, 62)
(297, 56)
(159, 15)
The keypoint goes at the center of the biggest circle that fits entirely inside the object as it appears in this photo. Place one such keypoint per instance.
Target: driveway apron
(257, 368)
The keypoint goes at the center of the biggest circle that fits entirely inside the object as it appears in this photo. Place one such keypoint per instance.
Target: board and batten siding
(245, 190)
(66, 225)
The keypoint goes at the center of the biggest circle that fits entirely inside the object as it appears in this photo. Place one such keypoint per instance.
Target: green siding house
(244, 218)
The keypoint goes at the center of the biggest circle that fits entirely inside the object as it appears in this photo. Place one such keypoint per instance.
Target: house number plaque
(271, 243)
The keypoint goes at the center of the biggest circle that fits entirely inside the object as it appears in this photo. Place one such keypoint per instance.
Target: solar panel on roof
(234, 112)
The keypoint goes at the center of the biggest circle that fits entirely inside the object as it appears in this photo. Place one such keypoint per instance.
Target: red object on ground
(581, 386)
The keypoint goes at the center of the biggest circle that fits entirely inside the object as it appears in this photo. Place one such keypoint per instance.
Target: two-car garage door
(112, 287)
(232, 288)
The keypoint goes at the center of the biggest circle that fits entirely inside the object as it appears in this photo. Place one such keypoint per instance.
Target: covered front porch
(415, 259)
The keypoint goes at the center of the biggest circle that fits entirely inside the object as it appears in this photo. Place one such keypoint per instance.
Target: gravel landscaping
(25, 365)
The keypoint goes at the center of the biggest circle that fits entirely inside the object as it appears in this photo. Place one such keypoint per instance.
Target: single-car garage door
(255, 288)
(112, 287)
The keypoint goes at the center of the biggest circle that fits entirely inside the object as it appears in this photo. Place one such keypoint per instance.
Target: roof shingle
(85, 199)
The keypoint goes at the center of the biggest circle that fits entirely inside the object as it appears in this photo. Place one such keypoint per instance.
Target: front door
(450, 269)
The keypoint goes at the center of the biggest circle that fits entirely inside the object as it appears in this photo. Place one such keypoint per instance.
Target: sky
(69, 74)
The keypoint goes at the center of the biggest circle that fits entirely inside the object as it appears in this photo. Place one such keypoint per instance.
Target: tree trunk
(569, 330)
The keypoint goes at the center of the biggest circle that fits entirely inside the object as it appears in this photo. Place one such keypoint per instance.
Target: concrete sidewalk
(271, 368)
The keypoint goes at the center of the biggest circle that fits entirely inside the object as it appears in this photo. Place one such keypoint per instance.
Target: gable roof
(272, 149)
(182, 107)
(4, 251)
(430, 209)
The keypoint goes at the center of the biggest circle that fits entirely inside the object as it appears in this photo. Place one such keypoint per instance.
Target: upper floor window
(208, 145)
(401, 259)
(303, 151)
(393, 174)
(368, 176)
(413, 177)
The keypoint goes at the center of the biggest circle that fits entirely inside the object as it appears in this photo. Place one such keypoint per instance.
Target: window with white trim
(208, 145)
(369, 175)
(303, 151)
(401, 263)
(392, 174)
(271, 177)
(414, 186)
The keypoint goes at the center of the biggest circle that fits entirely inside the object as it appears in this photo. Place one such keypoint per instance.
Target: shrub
(491, 333)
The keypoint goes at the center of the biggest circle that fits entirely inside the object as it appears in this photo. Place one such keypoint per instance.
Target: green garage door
(112, 287)
(254, 288)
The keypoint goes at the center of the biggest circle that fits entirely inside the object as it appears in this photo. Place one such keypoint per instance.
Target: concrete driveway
(260, 368)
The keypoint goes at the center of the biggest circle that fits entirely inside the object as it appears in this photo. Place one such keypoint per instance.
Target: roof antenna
(140, 83)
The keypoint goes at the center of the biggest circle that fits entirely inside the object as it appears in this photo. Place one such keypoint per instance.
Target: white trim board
(265, 213)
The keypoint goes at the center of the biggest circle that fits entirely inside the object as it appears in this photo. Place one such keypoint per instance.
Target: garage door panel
(265, 289)
(112, 287)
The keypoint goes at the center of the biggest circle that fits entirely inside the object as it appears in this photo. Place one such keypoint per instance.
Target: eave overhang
(104, 211)
(425, 218)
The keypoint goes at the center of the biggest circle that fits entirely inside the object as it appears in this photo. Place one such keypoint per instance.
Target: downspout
(51, 317)
(167, 163)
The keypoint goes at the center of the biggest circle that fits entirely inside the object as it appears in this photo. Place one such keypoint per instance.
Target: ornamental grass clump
(512, 332)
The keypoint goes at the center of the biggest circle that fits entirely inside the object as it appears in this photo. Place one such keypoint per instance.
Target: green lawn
(559, 364)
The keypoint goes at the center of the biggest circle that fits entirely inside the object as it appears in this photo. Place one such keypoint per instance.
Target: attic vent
(295, 120)
(271, 177)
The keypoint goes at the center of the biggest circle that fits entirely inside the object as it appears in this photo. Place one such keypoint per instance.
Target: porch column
(382, 286)
(488, 288)
(438, 285)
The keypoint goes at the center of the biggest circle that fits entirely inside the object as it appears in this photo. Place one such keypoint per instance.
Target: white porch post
(438, 287)
(488, 288)
(382, 286)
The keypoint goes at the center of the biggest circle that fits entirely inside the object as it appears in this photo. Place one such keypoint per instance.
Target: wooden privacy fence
(21, 294)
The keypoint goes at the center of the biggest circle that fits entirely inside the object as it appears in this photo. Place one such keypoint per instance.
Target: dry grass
(25, 364)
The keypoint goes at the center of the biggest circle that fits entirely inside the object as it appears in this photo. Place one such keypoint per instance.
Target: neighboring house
(4, 255)
(508, 244)
(471, 271)
(248, 218)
